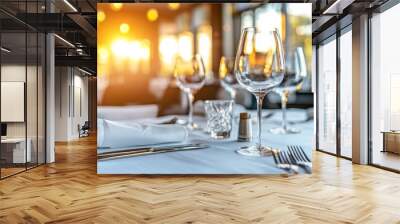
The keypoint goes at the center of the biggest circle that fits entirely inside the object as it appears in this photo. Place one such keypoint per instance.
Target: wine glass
(259, 67)
(227, 76)
(296, 73)
(190, 76)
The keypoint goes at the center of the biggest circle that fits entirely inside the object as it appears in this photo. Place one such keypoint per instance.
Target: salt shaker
(244, 127)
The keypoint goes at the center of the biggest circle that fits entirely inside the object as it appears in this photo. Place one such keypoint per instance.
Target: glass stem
(233, 94)
(284, 99)
(191, 99)
(260, 99)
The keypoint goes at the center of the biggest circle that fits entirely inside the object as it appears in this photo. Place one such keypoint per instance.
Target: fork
(283, 161)
(300, 158)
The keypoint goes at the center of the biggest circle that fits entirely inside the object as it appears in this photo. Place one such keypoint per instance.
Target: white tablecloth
(220, 157)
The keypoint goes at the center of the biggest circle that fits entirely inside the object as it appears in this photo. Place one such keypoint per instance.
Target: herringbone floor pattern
(70, 191)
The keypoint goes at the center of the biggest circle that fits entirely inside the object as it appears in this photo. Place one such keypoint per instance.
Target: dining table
(221, 156)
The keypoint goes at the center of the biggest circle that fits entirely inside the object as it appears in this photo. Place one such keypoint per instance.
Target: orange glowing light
(134, 50)
(145, 50)
(173, 6)
(116, 6)
(168, 49)
(119, 48)
(102, 55)
(152, 15)
(185, 46)
(101, 16)
(204, 45)
(124, 28)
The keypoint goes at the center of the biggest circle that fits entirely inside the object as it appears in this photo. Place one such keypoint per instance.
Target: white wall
(71, 102)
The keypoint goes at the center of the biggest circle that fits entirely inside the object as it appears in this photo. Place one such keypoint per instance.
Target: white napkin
(119, 134)
(118, 113)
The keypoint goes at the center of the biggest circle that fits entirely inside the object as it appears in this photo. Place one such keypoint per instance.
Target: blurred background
(138, 44)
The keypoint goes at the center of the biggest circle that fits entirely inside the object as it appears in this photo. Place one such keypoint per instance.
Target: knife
(148, 151)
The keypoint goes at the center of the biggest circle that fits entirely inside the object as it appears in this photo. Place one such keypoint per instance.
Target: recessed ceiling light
(152, 15)
(173, 6)
(101, 16)
(70, 5)
(65, 41)
(124, 28)
(84, 71)
(116, 6)
(5, 50)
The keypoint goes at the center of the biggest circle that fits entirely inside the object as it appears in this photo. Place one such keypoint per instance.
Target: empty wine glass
(190, 76)
(296, 73)
(259, 67)
(227, 76)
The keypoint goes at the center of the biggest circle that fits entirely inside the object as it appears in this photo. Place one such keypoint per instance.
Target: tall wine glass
(259, 67)
(296, 73)
(227, 76)
(190, 76)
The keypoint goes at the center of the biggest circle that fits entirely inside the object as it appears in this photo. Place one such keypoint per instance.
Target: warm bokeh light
(152, 15)
(168, 51)
(116, 6)
(204, 47)
(264, 42)
(124, 28)
(174, 6)
(101, 16)
(145, 50)
(102, 55)
(119, 48)
(134, 50)
(223, 67)
(185, 46)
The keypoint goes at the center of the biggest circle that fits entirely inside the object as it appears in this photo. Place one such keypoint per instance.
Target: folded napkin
(119, 113)
(120, 134)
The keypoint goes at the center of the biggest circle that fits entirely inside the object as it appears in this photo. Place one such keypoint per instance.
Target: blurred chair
(84, 130)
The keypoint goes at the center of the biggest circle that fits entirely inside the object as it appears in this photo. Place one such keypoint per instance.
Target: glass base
(193, 126)
(283, 131)
(220, 135)
(255, 151)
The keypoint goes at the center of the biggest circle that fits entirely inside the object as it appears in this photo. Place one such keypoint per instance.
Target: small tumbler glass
(219, 118)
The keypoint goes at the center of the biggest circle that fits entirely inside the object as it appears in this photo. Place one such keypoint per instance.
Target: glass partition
(41, 96)
(31, 97)
(346, 93)
(385, 89)
(327, 96)
(22, 92)
(14, 153)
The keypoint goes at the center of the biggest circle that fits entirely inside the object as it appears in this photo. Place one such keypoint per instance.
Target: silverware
(284, 161)
(148, 151)
(173, 120)
(300, 157)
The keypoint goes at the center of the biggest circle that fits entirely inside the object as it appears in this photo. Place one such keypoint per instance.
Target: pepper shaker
(244, 134)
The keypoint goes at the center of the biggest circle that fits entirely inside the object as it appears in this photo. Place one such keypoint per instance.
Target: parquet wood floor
(70, 191)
